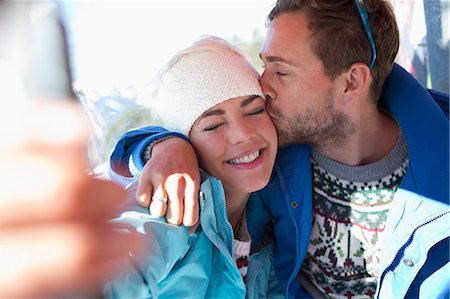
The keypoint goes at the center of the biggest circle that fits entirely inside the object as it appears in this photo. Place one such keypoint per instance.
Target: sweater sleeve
(125, 160)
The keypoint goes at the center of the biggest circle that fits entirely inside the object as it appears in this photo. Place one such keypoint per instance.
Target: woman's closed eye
(257, 111)
(211, 127)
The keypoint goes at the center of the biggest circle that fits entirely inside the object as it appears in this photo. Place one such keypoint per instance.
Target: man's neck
(375, 136)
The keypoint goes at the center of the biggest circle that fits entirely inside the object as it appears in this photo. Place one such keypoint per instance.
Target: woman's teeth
(245, 159)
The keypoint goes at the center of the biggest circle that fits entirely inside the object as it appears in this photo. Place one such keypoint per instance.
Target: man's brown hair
(339, 38)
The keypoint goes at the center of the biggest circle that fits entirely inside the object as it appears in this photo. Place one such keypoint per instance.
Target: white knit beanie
(199, 77)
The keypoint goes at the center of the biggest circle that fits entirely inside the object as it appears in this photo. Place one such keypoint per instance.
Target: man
(377, 161)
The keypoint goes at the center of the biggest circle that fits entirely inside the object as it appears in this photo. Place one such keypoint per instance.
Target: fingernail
(142, 198)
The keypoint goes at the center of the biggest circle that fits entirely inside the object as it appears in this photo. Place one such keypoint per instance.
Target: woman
(210, 93)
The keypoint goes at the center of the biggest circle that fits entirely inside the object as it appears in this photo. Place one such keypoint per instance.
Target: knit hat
(199, 77)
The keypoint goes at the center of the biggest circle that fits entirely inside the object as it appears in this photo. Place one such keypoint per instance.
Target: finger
(158, 204)
(101, 200)
(191, 210)
(192, 229)
(89, 255)
(47, 125)
(65, 198)
(175, 186)
(48, 175)
(143, 192)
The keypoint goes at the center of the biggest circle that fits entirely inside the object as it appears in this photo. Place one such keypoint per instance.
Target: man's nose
(267, 89)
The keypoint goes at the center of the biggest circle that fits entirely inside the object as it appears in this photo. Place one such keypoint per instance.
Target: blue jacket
(177, 265)
(415, 257)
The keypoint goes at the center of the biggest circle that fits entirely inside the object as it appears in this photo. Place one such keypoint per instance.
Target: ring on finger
(161, 199)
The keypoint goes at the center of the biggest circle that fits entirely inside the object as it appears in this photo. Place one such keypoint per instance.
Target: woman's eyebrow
(212, 112)
(220, 111)
(248, 100)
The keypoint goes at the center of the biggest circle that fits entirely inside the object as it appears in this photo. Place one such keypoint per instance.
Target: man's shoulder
(292, 171)
(405, 97)
(287, 155)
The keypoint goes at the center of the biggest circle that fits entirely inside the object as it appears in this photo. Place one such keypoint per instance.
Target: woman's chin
(255, 185)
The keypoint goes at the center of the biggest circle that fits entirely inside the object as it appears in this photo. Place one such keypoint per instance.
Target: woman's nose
(242, 131)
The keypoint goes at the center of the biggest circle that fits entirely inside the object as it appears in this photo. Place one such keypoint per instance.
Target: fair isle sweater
(350, 206)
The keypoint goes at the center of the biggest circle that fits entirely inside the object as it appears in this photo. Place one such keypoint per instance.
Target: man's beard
(316, 127)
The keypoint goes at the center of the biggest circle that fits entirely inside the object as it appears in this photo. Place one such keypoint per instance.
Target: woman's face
(236, 142)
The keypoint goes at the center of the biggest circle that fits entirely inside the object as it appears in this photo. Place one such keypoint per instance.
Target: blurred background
(109, 51)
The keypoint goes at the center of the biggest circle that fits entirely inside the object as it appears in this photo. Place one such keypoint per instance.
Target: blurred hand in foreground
(55, 235)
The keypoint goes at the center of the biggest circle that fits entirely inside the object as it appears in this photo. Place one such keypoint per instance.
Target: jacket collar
(427, 131)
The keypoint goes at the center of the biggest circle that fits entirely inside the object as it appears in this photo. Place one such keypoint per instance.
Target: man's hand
(173, 174)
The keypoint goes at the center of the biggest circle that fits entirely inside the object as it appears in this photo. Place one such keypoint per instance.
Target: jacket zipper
(405, 246)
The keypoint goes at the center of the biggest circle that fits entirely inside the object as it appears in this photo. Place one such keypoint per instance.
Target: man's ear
(358, 79)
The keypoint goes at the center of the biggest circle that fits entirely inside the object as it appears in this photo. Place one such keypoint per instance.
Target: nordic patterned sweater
(350, 205)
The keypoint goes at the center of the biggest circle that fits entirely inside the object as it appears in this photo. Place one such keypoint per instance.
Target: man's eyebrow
(219, 111)
(275, 59)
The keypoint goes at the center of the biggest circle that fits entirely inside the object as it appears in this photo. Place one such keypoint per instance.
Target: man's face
(302, 100)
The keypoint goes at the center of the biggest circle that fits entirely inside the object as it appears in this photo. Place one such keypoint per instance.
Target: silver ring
(161, 199)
